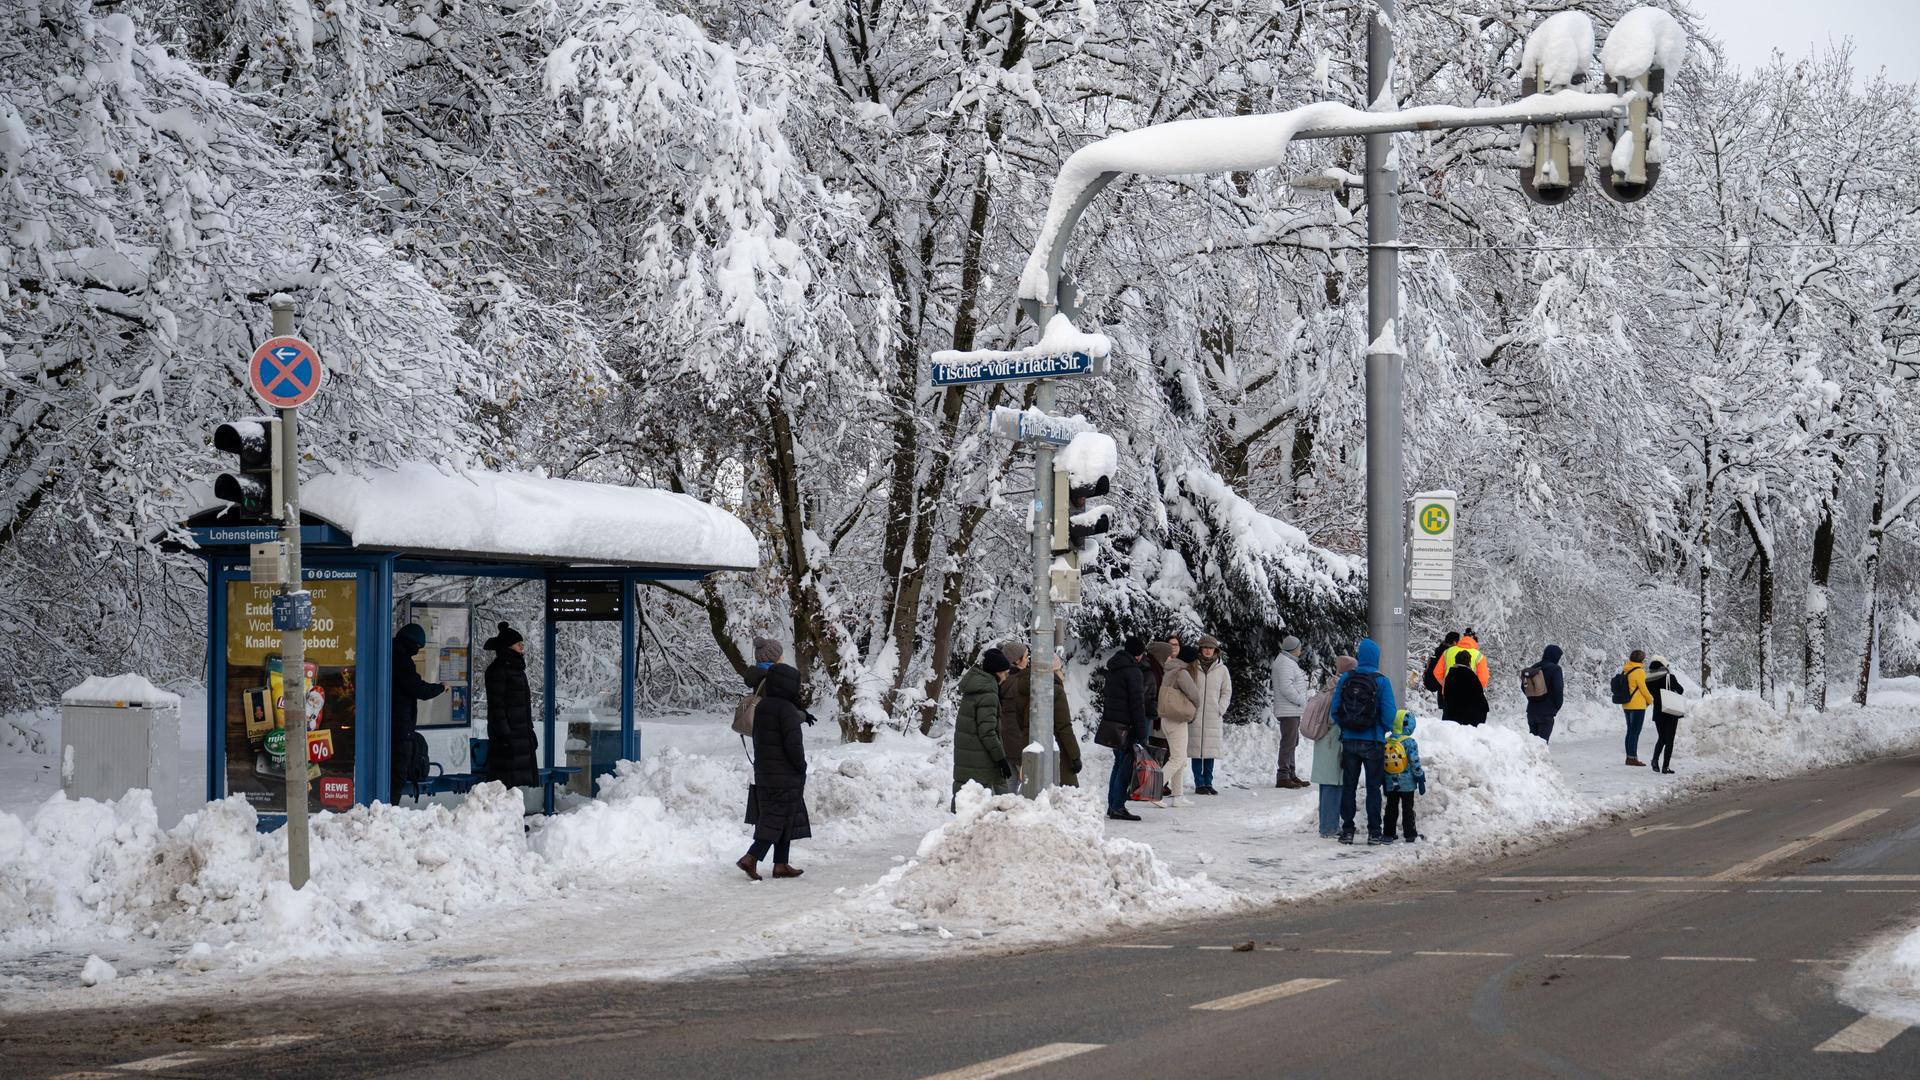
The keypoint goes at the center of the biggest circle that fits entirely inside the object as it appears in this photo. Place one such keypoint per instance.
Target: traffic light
(1644, 44)
(254, 488)
(1553, 157)
(1082, 470)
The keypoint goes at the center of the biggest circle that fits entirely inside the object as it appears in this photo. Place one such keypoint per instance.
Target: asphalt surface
(1698, 941)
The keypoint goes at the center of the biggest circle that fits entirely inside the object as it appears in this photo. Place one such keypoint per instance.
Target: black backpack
(1622, 690)
(1359, 704)
(416, 758)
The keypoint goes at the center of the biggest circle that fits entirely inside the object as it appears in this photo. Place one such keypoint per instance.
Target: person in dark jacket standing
(1542, 710)
(1123, 709)
(1016, 702)
(979, 754)
(511, 758)
(1664, 684)
(777, 805)
(1429, 675)
(408, 691)
(1463, 700)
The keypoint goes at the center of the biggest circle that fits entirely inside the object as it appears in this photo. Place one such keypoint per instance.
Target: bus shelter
(585, 546)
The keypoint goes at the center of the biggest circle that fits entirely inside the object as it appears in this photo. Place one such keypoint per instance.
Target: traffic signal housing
(254, 487)
(1082, 470)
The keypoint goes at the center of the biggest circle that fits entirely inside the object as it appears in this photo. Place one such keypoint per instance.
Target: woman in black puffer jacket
(777, 807)
(511, 747)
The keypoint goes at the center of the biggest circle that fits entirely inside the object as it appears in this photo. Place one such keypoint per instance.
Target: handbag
(1148, 779)
(1111, 734)
(1674, 703)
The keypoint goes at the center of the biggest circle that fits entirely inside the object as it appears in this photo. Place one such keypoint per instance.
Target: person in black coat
(511, 746)
(408, 691)
(1427, 678)
(1123, 715)
(1463, 700)
(1542, 710)
(776, 806)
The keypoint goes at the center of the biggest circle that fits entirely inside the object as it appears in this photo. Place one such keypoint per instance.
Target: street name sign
(961, 369)
(1430, 575)
(1032, 425)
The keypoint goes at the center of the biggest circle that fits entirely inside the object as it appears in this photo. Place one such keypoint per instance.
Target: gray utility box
(118, 734)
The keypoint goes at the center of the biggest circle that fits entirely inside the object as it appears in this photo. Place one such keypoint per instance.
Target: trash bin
(119, 733)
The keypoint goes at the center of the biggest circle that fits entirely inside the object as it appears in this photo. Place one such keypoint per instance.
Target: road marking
(1787, 851)
(1524, 892)
(1616, 892)
(1642, 830)
(1586, 956)
(1883, 890)
(1816, 961)
(1694, 890)
(1716, 959)
(1265, 994)
(1914, 794)
(265, 1042)
(1139, 946)
(1438, 952)
(1787, 891)
(1357, 952)
(1013, 1063)
(1864, 1036)
(164, 1061)
(91, 1076)
(1214, 948)
(1576, 879)
(1850, 879)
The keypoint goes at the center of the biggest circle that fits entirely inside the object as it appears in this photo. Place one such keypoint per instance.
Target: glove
(1421, 784)
(807, 719)
(1006, 769)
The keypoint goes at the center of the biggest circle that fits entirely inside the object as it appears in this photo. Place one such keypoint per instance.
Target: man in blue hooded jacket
(1363, 748)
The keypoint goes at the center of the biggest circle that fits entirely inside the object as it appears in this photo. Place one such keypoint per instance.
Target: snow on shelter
(589, 545)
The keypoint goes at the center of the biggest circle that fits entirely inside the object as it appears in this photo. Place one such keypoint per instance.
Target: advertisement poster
(256, 735)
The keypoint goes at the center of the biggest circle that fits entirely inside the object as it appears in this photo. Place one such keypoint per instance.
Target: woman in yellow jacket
(1636, 706)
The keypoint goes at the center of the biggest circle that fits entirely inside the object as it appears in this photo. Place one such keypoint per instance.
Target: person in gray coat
(1288, 686)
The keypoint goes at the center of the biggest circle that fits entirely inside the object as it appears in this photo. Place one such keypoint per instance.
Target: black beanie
(1134, 645)
(506, 639)
(995, 662)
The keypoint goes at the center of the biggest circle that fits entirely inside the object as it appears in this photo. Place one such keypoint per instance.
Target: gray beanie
(1014, 650)
(767, 651)
(1289, 644)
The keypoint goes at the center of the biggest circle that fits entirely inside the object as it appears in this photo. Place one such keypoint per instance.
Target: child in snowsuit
(1400, 786)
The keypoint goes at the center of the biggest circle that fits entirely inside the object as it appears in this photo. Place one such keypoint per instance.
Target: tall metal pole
(293, 643)
(1386, 482)
(1041, 771)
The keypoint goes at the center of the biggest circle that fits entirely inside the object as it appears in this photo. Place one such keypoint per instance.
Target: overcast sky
(1885, 33)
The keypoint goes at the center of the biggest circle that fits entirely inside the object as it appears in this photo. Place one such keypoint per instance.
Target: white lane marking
(1786, 891)
(1586, 956)
(1850, 879)
(1864, 1036)
(1616, 892)
(1528, 891)
(1357, 952)
(90, 1076)
(1214, 948)
(1816, 961)
(265, 1042)
(1440, 952)
(1265, 994)
(164, 1061)
(1716, 959)
(1787, 851)
(1883, 890)
(1914, 794)
(1139, 946)
(1576, 879)
(1642, 830)
(1694, 890)
(1013, 1063)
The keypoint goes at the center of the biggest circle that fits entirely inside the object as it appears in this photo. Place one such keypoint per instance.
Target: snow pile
(1488, 782)
(128, 689)
(1644, 38)
(97, 971)
(1559, 50)
(1885, 980)
(86, 868)
(1757, 739)
(1044, 867)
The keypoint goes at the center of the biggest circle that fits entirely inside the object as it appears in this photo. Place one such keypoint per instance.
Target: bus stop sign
(285, 372)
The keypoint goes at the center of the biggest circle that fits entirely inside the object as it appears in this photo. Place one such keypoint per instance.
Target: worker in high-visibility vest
(1475, 659)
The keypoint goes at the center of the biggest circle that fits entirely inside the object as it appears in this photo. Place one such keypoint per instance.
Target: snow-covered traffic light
(254, 488)
(1553, 157)
(1645, 44)
(1082, 469)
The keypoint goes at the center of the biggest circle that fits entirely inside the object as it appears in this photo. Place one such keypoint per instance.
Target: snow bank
(1885, 979)
(1492, 783)
(1043, 867)
(1643, 39)
(1559, 50)
(128, 689)
(1762, 741)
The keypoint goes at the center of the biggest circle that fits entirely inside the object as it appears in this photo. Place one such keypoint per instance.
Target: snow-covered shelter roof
(419, 508)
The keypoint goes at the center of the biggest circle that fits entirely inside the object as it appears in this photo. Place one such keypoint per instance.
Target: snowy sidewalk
(639, 883)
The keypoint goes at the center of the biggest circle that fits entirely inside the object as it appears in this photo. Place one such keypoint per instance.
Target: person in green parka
(978, 754)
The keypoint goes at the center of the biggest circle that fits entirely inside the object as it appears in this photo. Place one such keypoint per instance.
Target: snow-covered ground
(639, 882)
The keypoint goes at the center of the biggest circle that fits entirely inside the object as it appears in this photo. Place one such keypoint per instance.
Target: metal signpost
(1430, 576)
(285, 372)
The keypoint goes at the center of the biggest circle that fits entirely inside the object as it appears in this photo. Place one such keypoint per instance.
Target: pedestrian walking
(1433, 676)
(1210, 718)
(1668, 706)
(1179, 704)
(1123, 722)
(1465, 699)
(407, 691)
(1316, 723)
(1631, 694)
(1545, 686)
(979, 755)
(1016, 705)
(777, 803)
(511, 746)
(1288, 687)
(1404, 776)
(1363, 709)
(1469, 647)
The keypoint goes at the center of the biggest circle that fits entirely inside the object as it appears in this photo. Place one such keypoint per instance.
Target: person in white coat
(1210, 713)
(1288, 687)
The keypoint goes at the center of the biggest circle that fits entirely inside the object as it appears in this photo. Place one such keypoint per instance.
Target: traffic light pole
(1042, 770)
(1386, 475)
(293, 643)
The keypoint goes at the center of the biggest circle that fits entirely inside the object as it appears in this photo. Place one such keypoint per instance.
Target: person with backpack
(1123, 722)
(1433, 676)
(1669, 705)
(1363, 709)
(777, 801)
(1287, 684)
(1405, 775)
(1465, 700)
(1316, 723)
(1546, 689)
(1179, 703)
(510, 740)
(979, 755)
(1630, 693)
(407, 691)
(1210, 718)
(1469, 647)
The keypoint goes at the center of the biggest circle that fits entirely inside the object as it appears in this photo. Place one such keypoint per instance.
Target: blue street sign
(285, 372)
(1009, 367)
(293, 610)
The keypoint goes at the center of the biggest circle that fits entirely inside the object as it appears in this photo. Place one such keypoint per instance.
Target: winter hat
(1208, 641)
(1189, 653)
(1134, 645)
(413, 635)
(506, 639)
(1014, 651)
(1344, 663)
(995, 662)
(1289, 644)
(1160, 650)
(766, 650)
